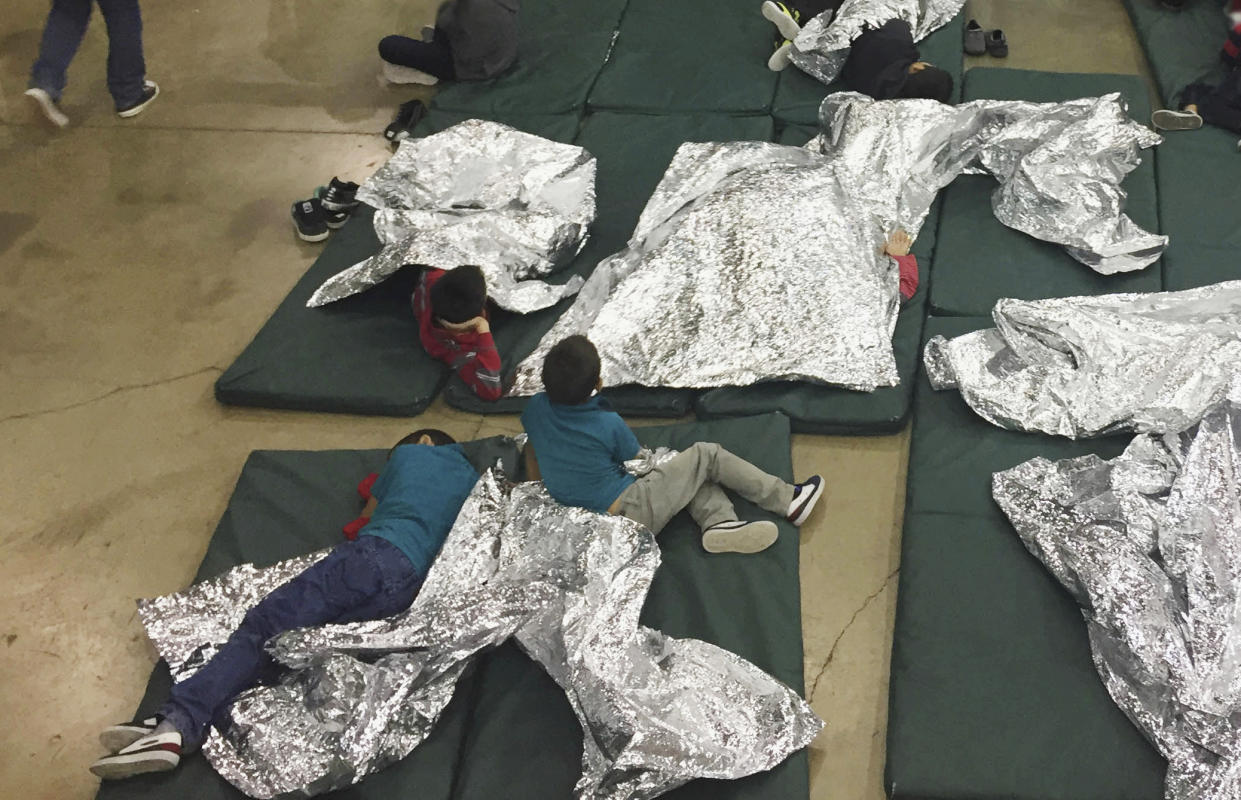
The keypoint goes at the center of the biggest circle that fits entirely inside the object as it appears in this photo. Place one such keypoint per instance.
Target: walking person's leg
(126, 64)
(62, 35)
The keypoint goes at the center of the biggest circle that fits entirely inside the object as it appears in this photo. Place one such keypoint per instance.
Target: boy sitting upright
(578, 446)
(452, 323)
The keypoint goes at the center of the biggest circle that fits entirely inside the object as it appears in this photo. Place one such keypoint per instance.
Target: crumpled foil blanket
(822, 47)
(515, 204)
(1149, 545)
(1090, 366)
(755, 261)
(568, 584)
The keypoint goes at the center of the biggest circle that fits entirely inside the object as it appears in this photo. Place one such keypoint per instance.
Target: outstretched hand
(898, 243)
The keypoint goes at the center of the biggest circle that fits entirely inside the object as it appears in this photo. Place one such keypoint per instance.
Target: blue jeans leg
(62, 35)
(126, 67)
(365, 579)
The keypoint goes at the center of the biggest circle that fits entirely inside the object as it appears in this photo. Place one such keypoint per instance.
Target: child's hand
(898, 243)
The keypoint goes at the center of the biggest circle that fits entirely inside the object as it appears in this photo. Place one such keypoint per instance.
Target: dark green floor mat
(1182, 46)
(691, 55)
(524, 743)
(633, 151)
(978, 260)
(798, 96)
(993, 693)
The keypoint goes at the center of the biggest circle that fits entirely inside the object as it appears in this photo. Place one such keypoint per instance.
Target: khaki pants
(693, 478)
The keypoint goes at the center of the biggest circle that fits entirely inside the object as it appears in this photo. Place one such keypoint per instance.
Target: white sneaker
(1165, 119)
(739, 537)
(158, 752)
(805, 495)
(395, 73)
(48, 106)
(780, 59)
(778, 15)
(118, 737)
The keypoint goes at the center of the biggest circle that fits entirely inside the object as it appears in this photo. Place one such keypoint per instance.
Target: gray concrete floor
(138, 257)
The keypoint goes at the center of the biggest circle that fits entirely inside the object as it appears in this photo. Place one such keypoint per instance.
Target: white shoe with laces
(737, 536)
(48, 106)
(158, 752)
(805, 496)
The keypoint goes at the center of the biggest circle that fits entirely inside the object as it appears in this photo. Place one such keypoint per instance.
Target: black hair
(438, 437)
(930, 82)
(571, 371)
(459, 294)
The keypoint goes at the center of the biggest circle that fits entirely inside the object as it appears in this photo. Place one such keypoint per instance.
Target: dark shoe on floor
(1165, 119)
(340, 195)
(158, 752)
(118, 737)
(407, 116)
(975, 39)
(805, 496)
(787, 20)
(48, 107)
(150, 91)
(739, 537)
(997, 43)
(309, 221)
(335, 219)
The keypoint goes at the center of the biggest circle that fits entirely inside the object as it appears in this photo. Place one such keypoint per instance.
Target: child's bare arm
(369, 508)
(532, 464)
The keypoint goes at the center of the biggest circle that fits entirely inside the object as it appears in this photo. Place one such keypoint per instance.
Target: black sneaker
(309, 220)
(118, 737)
(157, 752)
(335, 219)
(407, 116)
(150, 91)
(340, 195)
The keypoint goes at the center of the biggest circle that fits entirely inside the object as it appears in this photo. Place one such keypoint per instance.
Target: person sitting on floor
(413, 506)
(1215, 105)
(452, 323)
(578, 447)
(472, 40)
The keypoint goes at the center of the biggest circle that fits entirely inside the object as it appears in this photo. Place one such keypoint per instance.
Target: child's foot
(395, 73)
(1165, 119)
(150, 91)
(805, 495)
(786, 21)
(118, 737)
(780, 59)
(157, 752)
(48, 106)
(739, 537)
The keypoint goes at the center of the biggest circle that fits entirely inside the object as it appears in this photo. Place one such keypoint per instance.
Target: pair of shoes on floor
(738, 536)
(316, 217)
(51, 109)
(1167, 119)
(135, 748)
(407, 117)
(978, 41)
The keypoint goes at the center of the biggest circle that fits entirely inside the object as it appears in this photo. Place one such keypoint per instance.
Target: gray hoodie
(482, 35)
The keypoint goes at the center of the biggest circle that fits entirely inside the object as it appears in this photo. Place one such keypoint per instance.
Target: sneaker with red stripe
(158, 752)
(118, 737)
(805, 495)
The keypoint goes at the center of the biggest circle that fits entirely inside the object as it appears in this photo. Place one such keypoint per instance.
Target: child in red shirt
(452, 323)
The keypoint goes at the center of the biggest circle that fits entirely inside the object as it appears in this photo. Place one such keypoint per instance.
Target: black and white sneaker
(335, 219)
(407, 116)
(158, 752)
(309, 221)
(118, 737)
(805, 495)
(739, 537)
(340, 196)
(150, 91)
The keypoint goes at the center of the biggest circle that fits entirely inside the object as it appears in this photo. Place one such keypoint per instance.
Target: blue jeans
(364, 579)
(66, 25)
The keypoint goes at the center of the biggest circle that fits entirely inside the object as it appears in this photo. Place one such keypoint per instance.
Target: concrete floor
(138, 257)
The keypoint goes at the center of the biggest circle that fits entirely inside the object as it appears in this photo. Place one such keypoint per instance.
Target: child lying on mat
(452, 323)
(578, 446)
(413, 506)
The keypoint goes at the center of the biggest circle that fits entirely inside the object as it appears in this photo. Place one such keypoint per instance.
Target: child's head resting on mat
(426, 436)
(571, 371)
(459, 295)
(927, 81)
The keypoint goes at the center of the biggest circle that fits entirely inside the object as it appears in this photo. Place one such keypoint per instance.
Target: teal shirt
(419, 494)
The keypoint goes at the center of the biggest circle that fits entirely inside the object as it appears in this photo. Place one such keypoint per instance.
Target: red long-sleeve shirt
(472, 355)
(909, 274)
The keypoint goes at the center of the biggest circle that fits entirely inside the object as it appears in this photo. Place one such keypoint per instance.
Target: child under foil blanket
(377, 574)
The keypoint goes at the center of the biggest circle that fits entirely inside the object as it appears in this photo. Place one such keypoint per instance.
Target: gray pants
(693, 478)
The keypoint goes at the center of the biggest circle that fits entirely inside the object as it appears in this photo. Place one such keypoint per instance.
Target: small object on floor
(158, 752)
(308, 220)
(150, 91)
(118, 737)
(805, 496)
(780, 59)
(340, 195)
(786, 20)
(395, 73)
(975, 39)
(407, 116)
(997, 43)
(740, 537)
(48, 106)
(1166, 119)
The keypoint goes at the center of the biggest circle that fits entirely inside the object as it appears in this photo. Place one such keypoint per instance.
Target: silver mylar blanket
(515, 204)
(822, 47)
(568, 584)
(756, 261)
(1090, 366)
(1149, 545)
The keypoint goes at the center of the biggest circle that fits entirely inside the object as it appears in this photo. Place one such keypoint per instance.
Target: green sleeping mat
(978, 260)
(508, 731)
(992, 691)
(360, 355)
(798, 96)
(1182, 46)
(689, 55)
(633, 151)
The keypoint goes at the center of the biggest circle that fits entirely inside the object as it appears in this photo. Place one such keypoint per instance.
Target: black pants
(809, 9)
(1217, 105)
(433, 58)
